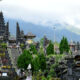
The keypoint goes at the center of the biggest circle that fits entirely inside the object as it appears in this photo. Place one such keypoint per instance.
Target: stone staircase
(14, 54)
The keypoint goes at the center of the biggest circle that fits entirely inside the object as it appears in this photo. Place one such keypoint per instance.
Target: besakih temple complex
(20, 37)
(69, 67)
(4, 29)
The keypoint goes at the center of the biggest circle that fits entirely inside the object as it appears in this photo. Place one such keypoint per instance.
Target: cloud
(44, 12)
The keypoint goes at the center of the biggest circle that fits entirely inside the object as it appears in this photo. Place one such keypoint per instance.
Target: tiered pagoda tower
(19, 34)
(2, 25)
(4, 29)
(7, 32)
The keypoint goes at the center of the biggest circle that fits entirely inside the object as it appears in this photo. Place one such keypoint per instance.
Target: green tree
(42, 61)
(61, 46)
(33, 49)
(35, 64)
(24, 59)
(64, 46)
(50, 48)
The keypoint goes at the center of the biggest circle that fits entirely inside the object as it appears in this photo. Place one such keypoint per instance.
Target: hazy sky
(44, 12)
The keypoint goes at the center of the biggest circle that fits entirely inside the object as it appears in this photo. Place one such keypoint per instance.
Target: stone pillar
(70, 65)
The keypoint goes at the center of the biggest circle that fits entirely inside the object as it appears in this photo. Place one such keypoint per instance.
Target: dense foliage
(24, 59)
(33, 49)
(50, 49)
(42, 61)
(64, 46)
(39, 61)
(35, 64)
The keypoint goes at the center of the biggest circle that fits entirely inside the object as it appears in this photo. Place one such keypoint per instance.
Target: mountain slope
(40, 31)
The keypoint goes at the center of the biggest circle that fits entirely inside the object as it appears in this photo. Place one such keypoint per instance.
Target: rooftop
(30, 35)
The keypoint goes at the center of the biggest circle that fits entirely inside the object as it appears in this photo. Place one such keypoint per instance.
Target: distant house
(74, 46)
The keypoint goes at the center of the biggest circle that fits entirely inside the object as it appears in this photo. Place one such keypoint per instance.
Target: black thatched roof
(30, 35)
